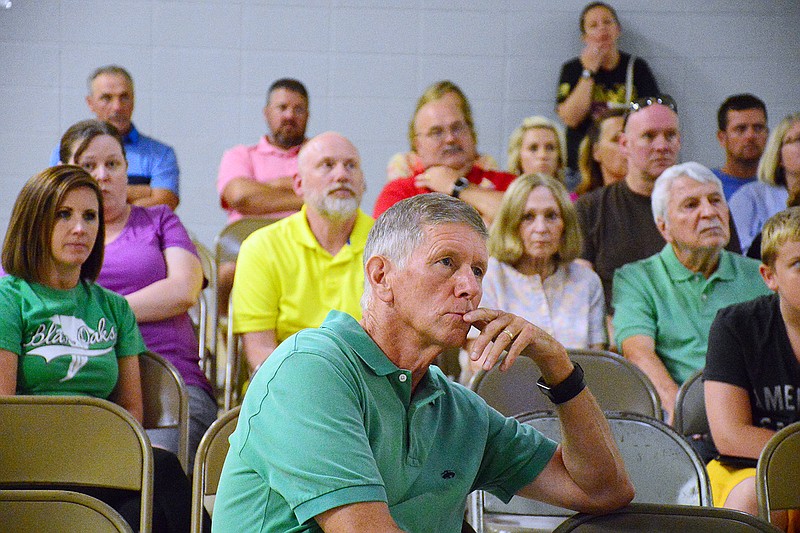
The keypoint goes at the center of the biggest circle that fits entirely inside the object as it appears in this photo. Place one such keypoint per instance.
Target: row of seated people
(257, 180)
(444, 158)
(665, 302)
(601, 77)
(280, 388)
(331, 217)
(333, 154)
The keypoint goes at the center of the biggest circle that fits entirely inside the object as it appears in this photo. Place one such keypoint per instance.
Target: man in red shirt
(444, 140)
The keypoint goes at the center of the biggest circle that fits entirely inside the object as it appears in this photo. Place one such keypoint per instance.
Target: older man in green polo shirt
(348, 428)
(664, 305)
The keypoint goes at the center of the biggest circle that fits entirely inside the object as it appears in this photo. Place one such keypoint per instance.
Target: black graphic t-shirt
(609, 87)
(748, 346)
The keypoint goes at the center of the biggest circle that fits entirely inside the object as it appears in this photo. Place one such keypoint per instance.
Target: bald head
(329, 175)
(322, 143)
(651, 142)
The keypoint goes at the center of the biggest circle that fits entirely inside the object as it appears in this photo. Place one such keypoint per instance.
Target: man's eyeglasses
(641, 103)
(438, 134)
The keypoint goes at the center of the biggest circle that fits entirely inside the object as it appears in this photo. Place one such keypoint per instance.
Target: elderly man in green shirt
(664, 305)
(349, 428)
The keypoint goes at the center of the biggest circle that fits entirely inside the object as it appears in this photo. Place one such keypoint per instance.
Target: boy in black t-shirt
(752, 374)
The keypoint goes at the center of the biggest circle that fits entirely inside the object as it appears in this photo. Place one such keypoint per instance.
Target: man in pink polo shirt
(256, 181)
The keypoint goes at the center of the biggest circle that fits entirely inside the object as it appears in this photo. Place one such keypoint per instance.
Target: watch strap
(459, 185)
(570, 387)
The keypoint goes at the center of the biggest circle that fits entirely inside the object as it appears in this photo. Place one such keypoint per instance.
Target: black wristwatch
(459, 185)
(567, 389)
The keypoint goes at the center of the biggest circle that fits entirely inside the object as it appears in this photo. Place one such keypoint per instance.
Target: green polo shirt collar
(678, 272)
(352, 334)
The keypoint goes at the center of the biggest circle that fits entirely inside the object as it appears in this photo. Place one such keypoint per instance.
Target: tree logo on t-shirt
(71, 336)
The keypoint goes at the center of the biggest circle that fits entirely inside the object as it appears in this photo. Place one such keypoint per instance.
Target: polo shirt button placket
(402, 378)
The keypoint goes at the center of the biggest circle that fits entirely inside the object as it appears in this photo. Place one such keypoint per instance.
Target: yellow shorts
(724, 478)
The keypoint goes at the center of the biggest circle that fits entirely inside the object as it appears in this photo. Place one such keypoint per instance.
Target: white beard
(333, 208)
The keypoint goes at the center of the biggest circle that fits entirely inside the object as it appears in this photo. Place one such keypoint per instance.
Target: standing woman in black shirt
(601, 77)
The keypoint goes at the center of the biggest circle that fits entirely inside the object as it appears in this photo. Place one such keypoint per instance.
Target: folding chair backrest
(74, 441)
(778, 472)
(690, 407)
(617, 384)
(236, 370)
(514, 391)
(655, 518)
(662, 466)
(208, 465)
(227, 245)
(229, 240)
(166, 400)
(55, 511)
(207, 314)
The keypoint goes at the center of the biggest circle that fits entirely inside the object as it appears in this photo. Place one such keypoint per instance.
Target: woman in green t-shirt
(63, 334)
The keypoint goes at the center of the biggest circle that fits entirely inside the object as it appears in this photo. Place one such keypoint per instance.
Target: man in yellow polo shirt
(291, 273)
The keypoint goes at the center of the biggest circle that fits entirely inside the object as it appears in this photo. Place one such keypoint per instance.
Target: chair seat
(522, 524)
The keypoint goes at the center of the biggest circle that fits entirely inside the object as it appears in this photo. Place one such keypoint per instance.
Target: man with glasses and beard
(291, 273)
(443, 136)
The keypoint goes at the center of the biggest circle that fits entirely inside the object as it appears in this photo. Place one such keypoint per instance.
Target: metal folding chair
(166, 400)
(208, 465)
(655, 518)
(54, 511)
(778, 472)
(617, 384)
(74, 441)
(662, 466)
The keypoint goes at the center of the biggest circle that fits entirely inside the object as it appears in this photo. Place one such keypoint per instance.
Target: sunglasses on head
(663, 99)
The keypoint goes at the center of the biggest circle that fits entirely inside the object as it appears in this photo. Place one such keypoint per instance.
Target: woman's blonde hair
(505, 243)
(28, 243)
(515, 143)
(770, 170)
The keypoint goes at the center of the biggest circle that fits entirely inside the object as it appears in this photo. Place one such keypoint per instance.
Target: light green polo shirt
(662, 299)
(329, 420)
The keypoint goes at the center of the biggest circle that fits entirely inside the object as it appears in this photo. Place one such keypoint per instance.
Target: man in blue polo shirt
(348, 427)
(152, 166)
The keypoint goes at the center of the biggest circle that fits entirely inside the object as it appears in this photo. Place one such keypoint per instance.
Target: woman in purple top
(149, 259)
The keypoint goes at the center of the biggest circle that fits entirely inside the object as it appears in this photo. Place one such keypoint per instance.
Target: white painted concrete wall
(202, 67)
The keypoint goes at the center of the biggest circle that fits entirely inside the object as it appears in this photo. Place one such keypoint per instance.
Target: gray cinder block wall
(202, 66)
